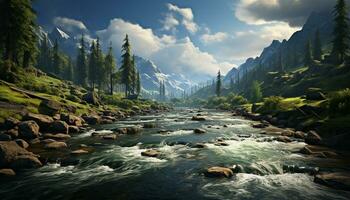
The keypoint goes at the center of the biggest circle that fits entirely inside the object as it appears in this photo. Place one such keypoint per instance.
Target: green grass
(10, 96)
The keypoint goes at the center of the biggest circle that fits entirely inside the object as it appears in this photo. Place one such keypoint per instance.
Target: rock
(59, 127)
(133, 130)
(199, 131)
(12, 132)
(110, 137)
(221, 144)
(225, 126)
(73, 129)
(46, 141)
(28, 130)
(92, 119)
(259, 125)
(120, 130)
(16, 157)
(58, 136)
(91, 98)
(219, 172)
(10, 123)
(43, 121)
(5, 137)
(199, 145)
(299, 135)
(55, 145)
(34, 141)
(288, 133)
(79, 152)
(150, 153)
(22, 143)
(306, 150)
(49, 107)
(72, 120)
(150, 125)
(284, 139)
(300, 169)
(198, 118)
(7, 172)
(337, 180)
(313, 138)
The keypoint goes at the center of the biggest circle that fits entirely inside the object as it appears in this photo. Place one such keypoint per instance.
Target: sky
(192, 37)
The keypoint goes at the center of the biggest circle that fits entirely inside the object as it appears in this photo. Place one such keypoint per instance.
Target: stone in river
(110, 137)
(221, 144)
(284, 139)
(219, 172)
(149, 125)
(79, 151)
(56, 145)
(198, 118)
(199, 145)
(313, 138)
(7, 172)
(151, 153)
(337, 180)
(199, 131)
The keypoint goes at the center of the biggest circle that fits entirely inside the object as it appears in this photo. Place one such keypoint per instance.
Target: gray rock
(219, 172)
(59, 127)
(313, 138)
(28, 130)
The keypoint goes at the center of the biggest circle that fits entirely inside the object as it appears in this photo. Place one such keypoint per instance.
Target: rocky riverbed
(182, 154)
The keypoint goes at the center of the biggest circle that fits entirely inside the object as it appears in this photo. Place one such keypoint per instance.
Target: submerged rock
(300, 169)
(199, 145)
(337, 180)
(198, 118)
(56, 145)
(79, 152)
(221, 144)
(150, 153)
(133, 130)
(110, 137)
(199, 131)
(150, 125)
(7, 172)
(219, 172)
(313, 138)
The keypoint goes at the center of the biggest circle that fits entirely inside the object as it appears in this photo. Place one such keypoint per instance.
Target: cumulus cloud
(187, 17)
(70, 25)
(239, 46)
(172, 55)
(211, 38)
(293, 12)
(170, 22)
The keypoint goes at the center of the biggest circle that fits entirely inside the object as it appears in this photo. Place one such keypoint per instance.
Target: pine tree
(340, 32)
(68, 74)
(92, 66)
(81, 70)
(126, 67)
(218, 84)
(308, 58)
(44, 55)
(17, 30)
(101, 72)
(110, 65)
(133, 76)
(317, 48)
(138, 84)
(56, 61)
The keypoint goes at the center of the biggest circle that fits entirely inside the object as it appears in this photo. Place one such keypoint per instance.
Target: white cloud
(216, 37)
(187, 17)
(70, 25)
(172, 55)
(170, 23)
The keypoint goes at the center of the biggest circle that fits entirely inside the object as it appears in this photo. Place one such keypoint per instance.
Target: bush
(236, 100)
(339, 102)
(271, 104)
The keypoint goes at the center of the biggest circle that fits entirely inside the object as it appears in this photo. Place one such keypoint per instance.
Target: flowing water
(116, 169)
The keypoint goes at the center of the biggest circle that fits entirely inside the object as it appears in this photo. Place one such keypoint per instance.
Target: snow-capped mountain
(151, 76)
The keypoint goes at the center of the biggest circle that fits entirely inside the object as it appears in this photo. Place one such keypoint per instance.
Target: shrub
(271, 104)
(236, 100)
(339, 102)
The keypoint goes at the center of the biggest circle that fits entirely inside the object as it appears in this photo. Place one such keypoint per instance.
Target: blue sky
(196, 37)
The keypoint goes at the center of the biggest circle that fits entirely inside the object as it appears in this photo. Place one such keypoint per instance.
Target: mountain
(151, 76)
(67, 43)
(289, 51)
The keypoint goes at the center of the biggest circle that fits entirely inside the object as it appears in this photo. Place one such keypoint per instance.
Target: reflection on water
(116, 169)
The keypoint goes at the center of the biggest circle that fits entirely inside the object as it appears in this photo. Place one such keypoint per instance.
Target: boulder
(58, 136)
(22, 143)
(150, 153)
(198, 118)
(49, 107)
(28, 130)
(59, 127)
(46, 141)
(120, 130)
(12, 132)
(299, 135)
(313, 138)
(91, 98)
(284, 139)
(150, 125)
(219, 172)
(43, 121)
(306, 150)
(5, 137)
(199, 131)
(7, 172)
(10, 123)
(92, 119)
(16, 157)
(337, 180)
(219, 143)
(133, 130)
(55, 145)
(79, 152)
(73, 129)
(199, 145)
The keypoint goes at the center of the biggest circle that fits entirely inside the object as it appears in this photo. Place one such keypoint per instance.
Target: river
(116, 169)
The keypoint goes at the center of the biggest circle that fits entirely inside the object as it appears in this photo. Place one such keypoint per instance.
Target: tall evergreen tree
(317, 47)
(218, 84)
(126, 67)
(341, 31)
(44, 55)
(68, 74)
(17, 30)
(93, 65)
(133, 75)
(138, 84)
(81, 70)
(308, 57)
(101, 71)
(56, 60)
(110, 65)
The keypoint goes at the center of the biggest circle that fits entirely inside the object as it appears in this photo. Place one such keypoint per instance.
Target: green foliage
(317, 47)
(272, 104)
(339, 102)
(81, 71)
(255, 92)
(236, 100)
(110, 65)
(218, 84)
(127, 66)
(308, 57)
